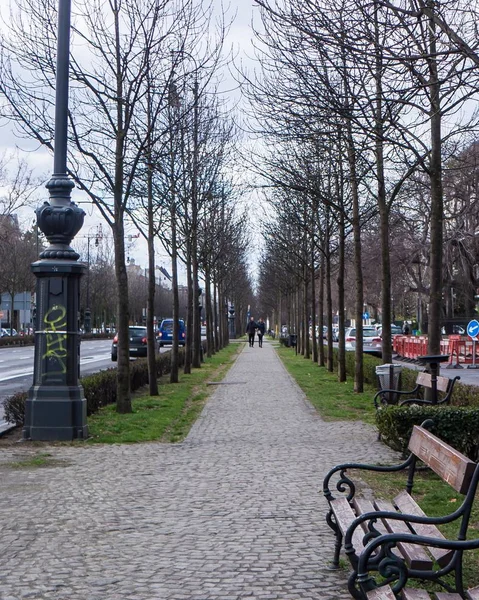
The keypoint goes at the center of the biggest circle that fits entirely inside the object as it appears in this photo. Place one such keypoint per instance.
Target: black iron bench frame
(416, 395)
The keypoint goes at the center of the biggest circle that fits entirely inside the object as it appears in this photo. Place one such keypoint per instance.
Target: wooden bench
(396, 539)
(424, 381)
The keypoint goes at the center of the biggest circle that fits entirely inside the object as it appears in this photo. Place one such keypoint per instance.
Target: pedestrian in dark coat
(261, 329)
(251, 330)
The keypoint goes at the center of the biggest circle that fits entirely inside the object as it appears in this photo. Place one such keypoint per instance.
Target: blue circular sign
(473, 328)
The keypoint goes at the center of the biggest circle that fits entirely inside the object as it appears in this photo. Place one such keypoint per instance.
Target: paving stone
(233, 512)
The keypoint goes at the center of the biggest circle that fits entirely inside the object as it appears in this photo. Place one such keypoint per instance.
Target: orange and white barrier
(459, 348)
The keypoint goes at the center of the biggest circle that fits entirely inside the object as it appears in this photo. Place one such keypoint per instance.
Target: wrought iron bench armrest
(382, 393)
(345, 483)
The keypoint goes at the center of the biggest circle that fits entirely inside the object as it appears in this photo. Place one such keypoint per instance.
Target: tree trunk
(196, 325)
(358, 372)
(123, 404)
(150, 307)
(382, 204)
(313, 308)
(322, 358)
(435, 170)
(174, 368)
(306, 306)
(189, 313)
(341, 302)
(215, 312)
(150, 304)
(208, 314)
(329, 300)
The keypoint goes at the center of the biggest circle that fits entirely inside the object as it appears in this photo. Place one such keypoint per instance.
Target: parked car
(165, 332)
(395, 330)
(456, 330)
(138, 342)
(371, 340)
(8, 332)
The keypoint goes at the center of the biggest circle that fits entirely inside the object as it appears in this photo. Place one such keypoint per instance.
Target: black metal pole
(61, 89)
(56, 407)
(87, 316)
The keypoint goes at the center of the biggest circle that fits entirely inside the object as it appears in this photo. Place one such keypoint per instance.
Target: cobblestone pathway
(233, 512)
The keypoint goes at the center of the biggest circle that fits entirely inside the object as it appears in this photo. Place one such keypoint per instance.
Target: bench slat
(361, 506)
(407, 504)
(411, 594)
(415, 556)
(473, 594)
(382, 593)
(344, 516)
(447, 596)
(425, 379)
(452, 466)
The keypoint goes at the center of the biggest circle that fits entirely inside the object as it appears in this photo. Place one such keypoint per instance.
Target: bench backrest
(442, 383)
(452, 466)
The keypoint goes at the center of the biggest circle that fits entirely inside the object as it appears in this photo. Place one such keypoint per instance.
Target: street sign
(473, 328)
(472, 331)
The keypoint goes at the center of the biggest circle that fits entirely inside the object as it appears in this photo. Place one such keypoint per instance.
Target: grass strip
(333, 400)
(167, 417)
(42, 459)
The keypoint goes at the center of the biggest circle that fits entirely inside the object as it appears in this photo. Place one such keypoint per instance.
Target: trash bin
(388, 378)
(293, 340)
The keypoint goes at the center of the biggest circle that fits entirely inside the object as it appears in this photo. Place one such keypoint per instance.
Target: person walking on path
(261, 329)
(251, 330)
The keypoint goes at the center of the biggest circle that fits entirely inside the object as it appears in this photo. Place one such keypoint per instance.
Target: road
(16, 366)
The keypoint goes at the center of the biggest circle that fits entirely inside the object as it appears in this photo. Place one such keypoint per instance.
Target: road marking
(18, 374)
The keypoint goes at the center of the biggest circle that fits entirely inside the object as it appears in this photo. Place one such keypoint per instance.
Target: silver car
(372, 342)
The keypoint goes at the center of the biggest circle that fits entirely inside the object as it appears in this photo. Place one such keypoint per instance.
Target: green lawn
(333, 400)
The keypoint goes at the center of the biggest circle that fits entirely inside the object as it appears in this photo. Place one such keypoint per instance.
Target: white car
(372, 341)
(8, 332)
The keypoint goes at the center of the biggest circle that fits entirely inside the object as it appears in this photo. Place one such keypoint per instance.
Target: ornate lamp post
(56, 407)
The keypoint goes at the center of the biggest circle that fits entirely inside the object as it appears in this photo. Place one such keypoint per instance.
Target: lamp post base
(56, 408)
(56, 413)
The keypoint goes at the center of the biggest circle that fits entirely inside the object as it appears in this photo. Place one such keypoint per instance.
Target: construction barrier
(459, 348)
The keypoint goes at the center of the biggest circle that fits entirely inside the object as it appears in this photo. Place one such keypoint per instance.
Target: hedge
(456, 425)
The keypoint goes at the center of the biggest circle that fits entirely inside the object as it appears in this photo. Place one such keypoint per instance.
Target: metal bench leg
(338, 539)
(353, 589)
